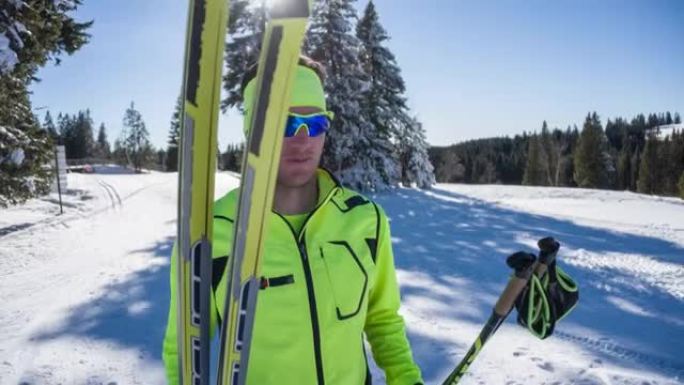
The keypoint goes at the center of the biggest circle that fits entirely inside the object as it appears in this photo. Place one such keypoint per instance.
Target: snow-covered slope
(85, 295)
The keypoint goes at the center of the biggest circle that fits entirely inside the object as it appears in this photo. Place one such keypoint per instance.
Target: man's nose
(302, 134)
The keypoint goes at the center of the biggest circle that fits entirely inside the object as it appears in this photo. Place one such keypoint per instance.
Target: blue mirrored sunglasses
(314, 124)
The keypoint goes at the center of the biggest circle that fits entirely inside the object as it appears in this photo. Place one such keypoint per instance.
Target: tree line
(131, 149)
(644, 154)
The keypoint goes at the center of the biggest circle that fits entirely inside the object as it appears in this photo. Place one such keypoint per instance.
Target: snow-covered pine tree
(399, 138)
(331, 41)
(174, 137)
(245, 32)
(383, 102)
(25, 149)
(416, 168)
(31, 33)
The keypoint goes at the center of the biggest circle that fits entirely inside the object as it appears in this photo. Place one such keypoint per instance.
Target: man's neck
(296, 200)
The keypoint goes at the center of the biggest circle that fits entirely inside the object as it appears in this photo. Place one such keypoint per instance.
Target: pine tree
(174, 138)
(590, 157)
(77, 132)
(102, 149)
(648, 169)
(677, 118)
(31, 33)
(232, 158)
(86, 133)
(49, 126)
(653, 121)
(25, 149)
(549, 155)
(624, 167)
(245, 33)
(416, 167)
(668, 118)
(384, 106)
(681, 186)
(136, 142)
(331, 42)
(64, 127)
(675, 163)
(535, 170)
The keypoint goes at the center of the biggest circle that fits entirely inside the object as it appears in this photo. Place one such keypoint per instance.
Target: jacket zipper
(301, 247)
(312, 309)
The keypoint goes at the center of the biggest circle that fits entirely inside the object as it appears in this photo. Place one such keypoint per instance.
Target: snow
(85, 294)
(667, 130)
(8, 58)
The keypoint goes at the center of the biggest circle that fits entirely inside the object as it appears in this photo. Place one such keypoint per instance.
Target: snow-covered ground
(85, 295)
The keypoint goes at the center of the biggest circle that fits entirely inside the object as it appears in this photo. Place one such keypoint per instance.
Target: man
(328, 269)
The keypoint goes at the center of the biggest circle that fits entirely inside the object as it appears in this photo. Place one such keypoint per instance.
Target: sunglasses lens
(315, 125)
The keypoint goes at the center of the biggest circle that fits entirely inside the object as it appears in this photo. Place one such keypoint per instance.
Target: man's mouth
(298, 159)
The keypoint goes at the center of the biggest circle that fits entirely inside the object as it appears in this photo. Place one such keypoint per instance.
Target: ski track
(77, 287)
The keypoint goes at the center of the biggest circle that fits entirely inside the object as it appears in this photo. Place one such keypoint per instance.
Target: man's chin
(297, 177)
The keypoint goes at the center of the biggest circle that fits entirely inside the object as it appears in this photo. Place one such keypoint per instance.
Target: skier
(328, 272)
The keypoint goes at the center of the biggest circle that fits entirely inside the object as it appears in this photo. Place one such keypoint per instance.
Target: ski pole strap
(547, 300)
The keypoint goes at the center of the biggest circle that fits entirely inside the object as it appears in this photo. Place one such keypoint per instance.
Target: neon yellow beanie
(306, 92)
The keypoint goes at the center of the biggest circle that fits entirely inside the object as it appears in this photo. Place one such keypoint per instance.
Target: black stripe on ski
(198, 15)
(265, 90)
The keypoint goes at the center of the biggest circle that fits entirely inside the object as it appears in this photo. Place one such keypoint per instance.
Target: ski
(278, 62)
(205, 39)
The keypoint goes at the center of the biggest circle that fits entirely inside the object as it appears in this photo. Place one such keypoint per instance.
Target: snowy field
(85, 294)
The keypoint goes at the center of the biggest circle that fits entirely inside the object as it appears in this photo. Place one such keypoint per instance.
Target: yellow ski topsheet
(205, 40)
(277, 66)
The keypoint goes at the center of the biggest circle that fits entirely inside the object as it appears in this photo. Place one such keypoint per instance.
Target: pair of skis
(205, 41)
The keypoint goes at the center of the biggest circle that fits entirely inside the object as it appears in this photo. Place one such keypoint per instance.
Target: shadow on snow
(451, 240)
(457, 241)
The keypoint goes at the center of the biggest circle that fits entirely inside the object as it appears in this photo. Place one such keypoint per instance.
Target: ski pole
(548, 248)
(524, 265)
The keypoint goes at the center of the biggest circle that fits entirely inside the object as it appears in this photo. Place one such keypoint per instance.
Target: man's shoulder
(348, 199)
(224, 207)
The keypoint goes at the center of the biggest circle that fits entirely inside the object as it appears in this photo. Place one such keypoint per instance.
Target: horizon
(617, 58)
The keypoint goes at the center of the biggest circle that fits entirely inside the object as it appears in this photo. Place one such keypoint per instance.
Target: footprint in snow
(546, 366)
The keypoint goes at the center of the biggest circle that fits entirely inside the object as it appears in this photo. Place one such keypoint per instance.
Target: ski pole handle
(523, 263)
(548, 249)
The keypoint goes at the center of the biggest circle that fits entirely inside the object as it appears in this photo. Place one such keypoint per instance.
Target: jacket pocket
(348, 278)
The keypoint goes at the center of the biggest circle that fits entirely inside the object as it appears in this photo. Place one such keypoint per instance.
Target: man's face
(300, 155)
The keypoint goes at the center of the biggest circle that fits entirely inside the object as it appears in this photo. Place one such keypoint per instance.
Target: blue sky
(472, 68)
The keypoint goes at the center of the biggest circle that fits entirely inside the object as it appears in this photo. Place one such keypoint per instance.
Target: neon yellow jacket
(321, 290)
